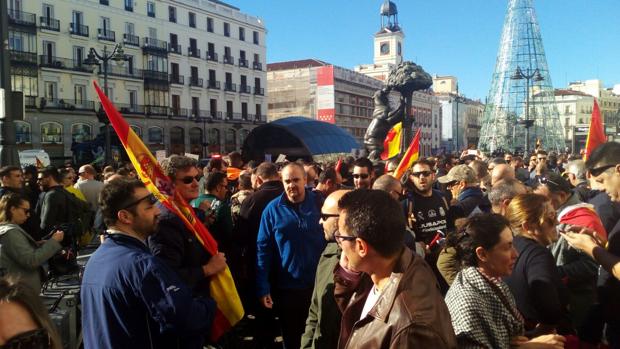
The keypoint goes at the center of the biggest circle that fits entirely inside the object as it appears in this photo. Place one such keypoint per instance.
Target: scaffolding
(520, 109)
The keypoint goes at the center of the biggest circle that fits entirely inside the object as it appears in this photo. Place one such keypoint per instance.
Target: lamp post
(93, 59)
(205, 144)
(8, 149)
(528, 76)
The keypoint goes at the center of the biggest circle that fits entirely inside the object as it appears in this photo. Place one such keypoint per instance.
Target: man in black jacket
(52, 206)
(174, 242)
(467, 197)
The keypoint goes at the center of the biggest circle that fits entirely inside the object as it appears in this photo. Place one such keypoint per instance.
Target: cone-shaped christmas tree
(521, 104)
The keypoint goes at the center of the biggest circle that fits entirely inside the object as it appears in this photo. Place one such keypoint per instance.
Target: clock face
(385, 48)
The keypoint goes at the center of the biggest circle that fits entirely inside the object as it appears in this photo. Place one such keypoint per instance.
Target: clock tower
(388, 44)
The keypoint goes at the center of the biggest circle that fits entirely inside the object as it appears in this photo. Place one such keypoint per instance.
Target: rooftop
(303, 63)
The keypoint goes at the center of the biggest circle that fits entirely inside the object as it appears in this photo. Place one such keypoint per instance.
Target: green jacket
(323, 323)
(21, 256)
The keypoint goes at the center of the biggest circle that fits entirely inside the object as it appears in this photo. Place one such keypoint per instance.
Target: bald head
(329, 214)
(388, 184)
(501, 172)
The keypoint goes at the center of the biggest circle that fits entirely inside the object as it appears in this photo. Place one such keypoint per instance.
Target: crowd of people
(462, 252)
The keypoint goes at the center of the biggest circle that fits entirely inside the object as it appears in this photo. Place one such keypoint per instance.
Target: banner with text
(325, 97)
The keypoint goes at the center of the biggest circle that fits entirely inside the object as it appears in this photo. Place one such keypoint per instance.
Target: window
(156, 135)
(130, 28)
(78, 19)
(177, 140)
(192, 19)
(195, 106)
(214, 139)
(226, 29)
(194, 73)
(137, 130)
(152, 33)
(258, 111)
(255, 37)
(49, 51)
(51, 132)
(104, 24)
(213, 108)
(150, 8)
(48, 11)
(210, 24)
(78, 55)
(176, 104)
(22, 132)
(172, 14)
(231, 137)
(79, 92)
(229, 109)
(241, 33)
(81, 132)
(244, 110)
(51, 89)
(133, 99)
(129, 5)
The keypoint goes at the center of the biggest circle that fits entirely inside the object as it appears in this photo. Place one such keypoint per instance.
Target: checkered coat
(479, 316)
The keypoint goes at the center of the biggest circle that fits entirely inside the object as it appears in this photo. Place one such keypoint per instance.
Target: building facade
(462, 120)
(608, 101)
(192, 72)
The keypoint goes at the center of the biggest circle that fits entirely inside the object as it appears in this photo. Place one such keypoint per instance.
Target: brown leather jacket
(410, 313)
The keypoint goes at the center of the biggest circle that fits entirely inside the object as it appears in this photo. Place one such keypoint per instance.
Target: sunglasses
(362, 176)
(35, 339)
(190, 179)
(595, 172)
(326, 216)
(545, 180)
(150, 198)
(26, 210)
(340, 238)
(421, 173)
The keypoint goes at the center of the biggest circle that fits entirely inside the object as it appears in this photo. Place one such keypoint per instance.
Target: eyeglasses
(190, 179)
(421, 173)
(340, 238)
(545, 180)
(326, 216)
(26, 210)
(400, 195)
(35, 339)
(150, 198)
(595, 172)
(361, 175)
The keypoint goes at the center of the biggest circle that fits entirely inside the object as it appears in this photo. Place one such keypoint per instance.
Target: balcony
(177, 79)
(47, 61)
(259, 91)
(229, 60)
(233, 116)
(78, 29)
(104, 2)
(129, 108)
(154, 45)
(175, 48)
(66, 104)
(211, 56)
(177, 112)
(123, 71)
(131, 40)
(150, 13)
(21, 18)
(48, 23)
(155, 75)
(105, 34)
(195, 81)
(216, 115)
(229, 86)
(156, 110)
(245, 89)
(30, 102)
(243, 63)
(257, 66)
(22, 58)
(213, 84)
(128, 7)
(193, 52)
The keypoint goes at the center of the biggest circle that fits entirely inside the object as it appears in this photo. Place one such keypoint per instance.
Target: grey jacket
(21, 256)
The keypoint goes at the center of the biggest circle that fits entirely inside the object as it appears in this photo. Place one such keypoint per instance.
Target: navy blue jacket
(131, 299)
(291, 240)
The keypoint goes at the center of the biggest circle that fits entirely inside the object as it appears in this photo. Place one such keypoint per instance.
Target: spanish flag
(222, 286)
(596, 134)
(411, 155)
(391, 144)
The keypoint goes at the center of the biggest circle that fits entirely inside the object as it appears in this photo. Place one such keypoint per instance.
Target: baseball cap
(459, 173)
(555, 182)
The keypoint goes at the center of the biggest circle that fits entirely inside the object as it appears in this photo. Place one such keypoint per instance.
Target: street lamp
(527, 76)
(95, 59)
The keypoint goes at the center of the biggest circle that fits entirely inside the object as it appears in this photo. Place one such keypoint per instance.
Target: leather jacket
(410, 312)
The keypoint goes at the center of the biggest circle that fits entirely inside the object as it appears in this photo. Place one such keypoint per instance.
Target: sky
(447, 37)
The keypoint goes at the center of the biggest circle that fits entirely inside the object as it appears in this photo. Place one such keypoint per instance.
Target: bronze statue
(406, 78)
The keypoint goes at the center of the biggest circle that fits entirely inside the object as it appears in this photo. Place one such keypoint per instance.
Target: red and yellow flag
(39, 163)
(391, 144)
(411, 155)
(222, 286)
(596, 133)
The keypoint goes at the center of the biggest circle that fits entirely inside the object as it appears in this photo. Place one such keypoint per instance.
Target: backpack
(78, 215)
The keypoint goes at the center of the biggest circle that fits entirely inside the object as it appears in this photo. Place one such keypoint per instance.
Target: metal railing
(245, 89)
(257, 66)
(130, 39)
(48, 61)
(151, 43)
(214, 84)
(22, 18)
(195, 81)
(211, 56)
(130, 108)
(78, 29)
(155, 75)
(229, 60)
(229, 86)
(156, 110)
(106, 34)
(174, 48)
(259, 91)
(193, 52)
(243, 63)
(49, 23)
(21, 57)
(123, 71)
(177, 79)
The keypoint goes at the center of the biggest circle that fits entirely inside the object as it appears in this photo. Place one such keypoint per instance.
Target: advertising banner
(325, 99)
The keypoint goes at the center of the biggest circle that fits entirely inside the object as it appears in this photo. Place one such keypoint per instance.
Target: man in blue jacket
(290, 239)
(131, 299)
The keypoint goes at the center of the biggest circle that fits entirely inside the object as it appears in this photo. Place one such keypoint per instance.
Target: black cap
(555, 182)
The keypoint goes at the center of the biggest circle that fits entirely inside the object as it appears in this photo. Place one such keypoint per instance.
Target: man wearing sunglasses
(388, 295)
(290, 242)
(466, 193)
(130, 298)
(174, 242)
(363, 173)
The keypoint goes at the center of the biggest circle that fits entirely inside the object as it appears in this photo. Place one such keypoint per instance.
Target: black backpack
(79, 217)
